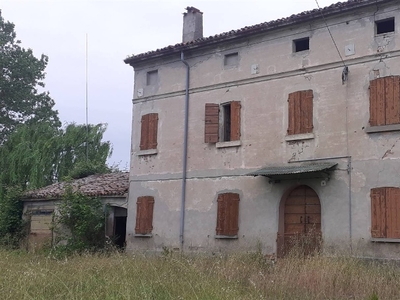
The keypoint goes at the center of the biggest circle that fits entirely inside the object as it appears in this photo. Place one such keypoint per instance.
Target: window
(144, 215)
(301, 44)
(300, 112)
(222, 123)
(148, 136)
(384, 26)
(152, 77)
(384, 105)
(385, 212)
(228, 215)
(231, 60)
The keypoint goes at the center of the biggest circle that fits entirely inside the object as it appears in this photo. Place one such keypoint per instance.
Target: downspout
(184, 159)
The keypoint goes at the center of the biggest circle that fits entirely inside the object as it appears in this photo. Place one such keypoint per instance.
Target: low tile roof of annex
(112, 184)
(334, 9)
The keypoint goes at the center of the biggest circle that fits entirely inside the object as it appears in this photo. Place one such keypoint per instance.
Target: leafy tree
(21, 77)
(80, 222)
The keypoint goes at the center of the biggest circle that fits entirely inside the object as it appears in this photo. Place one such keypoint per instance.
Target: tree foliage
(80, 223)
(22, 75)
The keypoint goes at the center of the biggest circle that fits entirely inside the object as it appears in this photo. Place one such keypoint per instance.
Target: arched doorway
(300, 222)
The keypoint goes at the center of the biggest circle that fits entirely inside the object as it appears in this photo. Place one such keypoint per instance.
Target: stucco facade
(266, 71)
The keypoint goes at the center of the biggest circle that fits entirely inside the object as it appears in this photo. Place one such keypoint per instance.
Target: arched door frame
(281, 216)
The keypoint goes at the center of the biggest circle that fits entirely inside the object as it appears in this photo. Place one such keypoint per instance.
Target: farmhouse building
(279, 133)
(40, 205)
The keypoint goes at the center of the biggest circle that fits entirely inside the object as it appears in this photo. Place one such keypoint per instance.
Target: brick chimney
(192, 24)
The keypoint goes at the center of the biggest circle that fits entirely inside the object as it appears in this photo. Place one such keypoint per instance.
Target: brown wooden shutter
(393, 213)
(378, 212)
(377, 102)
(148, 134)
(221, 213)
(291, 108)
(233, 213)
(144, 215)
(211, 126)
(306, 111)
(392, 100)
(235, 120)
(153, 130)
(144, 133)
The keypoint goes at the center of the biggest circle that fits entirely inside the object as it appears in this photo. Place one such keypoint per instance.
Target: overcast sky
(115, 30)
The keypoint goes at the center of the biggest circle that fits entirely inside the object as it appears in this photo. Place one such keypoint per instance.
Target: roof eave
(208, 41)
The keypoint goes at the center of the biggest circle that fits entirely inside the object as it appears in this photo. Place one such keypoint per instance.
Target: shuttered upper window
(228, 214)
(148, 135)
(222, 122)
(384, 101)
(144, 215)
(385, 212)
(300, 112)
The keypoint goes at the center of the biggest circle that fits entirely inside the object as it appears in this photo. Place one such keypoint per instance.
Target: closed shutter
(153, 130)
(235, 120)
(144, 133)
(144, 215)
(378, 212)
(149, 130)
(306, 111)
(392, 97)
(211, 126)
(393, 213)
(300, 112)
(228, 214)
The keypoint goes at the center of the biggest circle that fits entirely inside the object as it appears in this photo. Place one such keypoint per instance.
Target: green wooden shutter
(235, 120)
(211, 126)
(378, 213)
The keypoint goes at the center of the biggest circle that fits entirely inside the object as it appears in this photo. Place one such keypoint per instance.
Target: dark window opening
(120, 231)
(231, 59)
(227, 122)
(385, 26)
(301, 44)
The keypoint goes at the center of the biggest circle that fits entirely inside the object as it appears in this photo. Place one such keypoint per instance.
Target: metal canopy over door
(302, 221)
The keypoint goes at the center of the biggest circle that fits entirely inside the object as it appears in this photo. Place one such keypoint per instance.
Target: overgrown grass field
(246, 276)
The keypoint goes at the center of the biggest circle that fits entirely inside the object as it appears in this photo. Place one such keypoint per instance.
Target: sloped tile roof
(333, 9)
(112, 184)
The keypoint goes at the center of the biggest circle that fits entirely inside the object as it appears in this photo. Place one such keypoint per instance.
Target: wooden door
(302, 221)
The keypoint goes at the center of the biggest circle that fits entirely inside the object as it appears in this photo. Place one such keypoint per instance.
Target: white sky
(117, 29)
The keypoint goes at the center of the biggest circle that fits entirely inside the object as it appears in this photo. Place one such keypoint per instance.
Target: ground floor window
(228, 214)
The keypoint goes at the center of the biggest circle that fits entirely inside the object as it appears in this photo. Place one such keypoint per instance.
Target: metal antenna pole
(87, 101)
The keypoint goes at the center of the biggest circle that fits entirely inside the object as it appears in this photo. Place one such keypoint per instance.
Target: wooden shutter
(377, 102)
(300, 112)
(393, 213)
(149, 129)
(392, 100)
(211, 126)
(306, 111)
(378, 212)
(144, 215)
(228, 214)
(235, 120)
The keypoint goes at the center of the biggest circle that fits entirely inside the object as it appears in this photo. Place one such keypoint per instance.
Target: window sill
(385, 240)
(299, 137)
(147, 152)
(228, 237)
(147, 235)
(228, 144)
(383, 128)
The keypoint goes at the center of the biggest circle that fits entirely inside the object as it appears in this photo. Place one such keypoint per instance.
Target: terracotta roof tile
(111, 184)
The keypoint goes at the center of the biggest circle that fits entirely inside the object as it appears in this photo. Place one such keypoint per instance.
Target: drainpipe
(184, 159)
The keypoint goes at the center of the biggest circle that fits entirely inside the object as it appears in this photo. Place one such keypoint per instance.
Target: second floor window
(148, 133)
(300, 112)
(384, 101)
